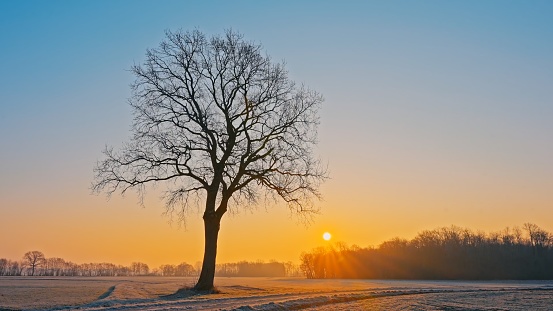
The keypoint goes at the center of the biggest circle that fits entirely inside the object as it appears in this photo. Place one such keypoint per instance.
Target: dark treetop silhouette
(34, 259)
(217, 121)
(444, 253)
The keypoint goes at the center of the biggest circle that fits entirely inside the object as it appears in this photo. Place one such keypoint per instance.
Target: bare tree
(184, 269)
(34, 259)
(167, 270)
(3, 266)
(539, 238)
(139, 268)
(15, 267)
(221, 124)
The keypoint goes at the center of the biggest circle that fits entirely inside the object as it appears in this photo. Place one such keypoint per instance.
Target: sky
(436, 113)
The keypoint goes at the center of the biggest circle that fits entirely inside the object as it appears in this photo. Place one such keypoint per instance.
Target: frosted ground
(156, 293)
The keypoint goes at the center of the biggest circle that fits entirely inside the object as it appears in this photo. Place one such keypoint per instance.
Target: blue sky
(436, 112)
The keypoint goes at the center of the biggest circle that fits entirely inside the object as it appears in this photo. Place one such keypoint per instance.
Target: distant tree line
(183, 269)
(34, 263)
(445, 253)
(254, 269)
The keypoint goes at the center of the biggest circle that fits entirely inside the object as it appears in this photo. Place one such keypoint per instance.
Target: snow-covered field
(156, 293)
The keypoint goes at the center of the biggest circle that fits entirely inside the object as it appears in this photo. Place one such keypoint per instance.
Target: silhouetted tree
(3, 266)
(184, 269)
(167, 270)
(14, 267)
(54, 266)
(139, 268)
(539, 238)
(291, 269)
(34, 259)
(220, 122)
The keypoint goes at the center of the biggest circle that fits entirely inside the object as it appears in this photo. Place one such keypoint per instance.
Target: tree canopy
(219, 122)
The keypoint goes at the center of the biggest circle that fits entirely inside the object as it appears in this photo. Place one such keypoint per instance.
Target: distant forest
(445, 253)
(34, 263)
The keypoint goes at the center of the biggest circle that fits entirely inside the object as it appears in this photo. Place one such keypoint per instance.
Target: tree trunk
(211, 231)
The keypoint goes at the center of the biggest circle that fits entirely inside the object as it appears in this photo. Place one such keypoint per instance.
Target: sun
(326, 236)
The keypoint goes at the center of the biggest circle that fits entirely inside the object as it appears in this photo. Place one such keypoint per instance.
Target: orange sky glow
(435, 114)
